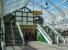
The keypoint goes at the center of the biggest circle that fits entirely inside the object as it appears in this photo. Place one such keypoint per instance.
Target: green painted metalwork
(40, 37)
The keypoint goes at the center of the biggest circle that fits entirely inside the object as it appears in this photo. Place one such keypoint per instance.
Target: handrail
(12, 33)
(49, 40)
(1, 45)
(21, 34)
(3, 37)
(55, 32)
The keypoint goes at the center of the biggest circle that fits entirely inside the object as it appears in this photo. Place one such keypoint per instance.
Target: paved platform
(43, 46)
(19, 48)
(36, 45)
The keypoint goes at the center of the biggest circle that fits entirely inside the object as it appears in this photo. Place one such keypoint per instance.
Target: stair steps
(9, 38)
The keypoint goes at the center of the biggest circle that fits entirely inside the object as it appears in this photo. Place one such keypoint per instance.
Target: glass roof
(60, 3)
(55, 7)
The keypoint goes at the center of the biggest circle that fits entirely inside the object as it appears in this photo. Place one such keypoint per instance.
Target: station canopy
(54, 10)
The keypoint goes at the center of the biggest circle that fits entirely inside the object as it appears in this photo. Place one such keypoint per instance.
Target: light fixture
(46, 4)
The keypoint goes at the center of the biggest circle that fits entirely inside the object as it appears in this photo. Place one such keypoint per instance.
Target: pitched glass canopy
(56, 8)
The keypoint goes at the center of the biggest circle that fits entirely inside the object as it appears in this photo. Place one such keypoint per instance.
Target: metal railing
(12, 33)
(51, 36)
(2, 39)
(21, 34)
(3, 44)
(45, 35)
(57, 35)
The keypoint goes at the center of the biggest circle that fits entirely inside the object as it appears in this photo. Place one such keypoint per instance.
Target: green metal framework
(24, 15)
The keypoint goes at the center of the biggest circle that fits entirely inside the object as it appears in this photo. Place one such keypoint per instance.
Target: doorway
(29, 35)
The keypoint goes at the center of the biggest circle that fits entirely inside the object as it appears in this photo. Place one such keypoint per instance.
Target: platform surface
(36, 45)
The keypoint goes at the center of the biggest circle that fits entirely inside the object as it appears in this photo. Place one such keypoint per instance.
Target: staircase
(8, 35)
(12, 35)
(41, 33)
(50, 34)
(17, 37)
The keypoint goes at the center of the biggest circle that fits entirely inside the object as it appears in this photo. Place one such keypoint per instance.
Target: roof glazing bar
(62, 13)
